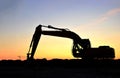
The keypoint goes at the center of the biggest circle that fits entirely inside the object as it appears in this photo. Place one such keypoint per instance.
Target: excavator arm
(78, 44)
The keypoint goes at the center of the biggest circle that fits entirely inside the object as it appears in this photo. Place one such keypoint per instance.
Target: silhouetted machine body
(81, 47)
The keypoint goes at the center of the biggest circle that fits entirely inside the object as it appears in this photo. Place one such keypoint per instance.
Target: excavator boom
(59, 32)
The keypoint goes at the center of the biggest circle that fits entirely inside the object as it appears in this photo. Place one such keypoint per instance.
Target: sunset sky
(98, 20)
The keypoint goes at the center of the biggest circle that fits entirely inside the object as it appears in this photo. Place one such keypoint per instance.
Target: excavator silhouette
(81, 47)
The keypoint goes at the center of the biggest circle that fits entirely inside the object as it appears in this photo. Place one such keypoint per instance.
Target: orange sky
(98, 20)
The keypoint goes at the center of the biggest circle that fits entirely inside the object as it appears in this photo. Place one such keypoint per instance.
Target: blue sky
(51, 11)
(18, 18)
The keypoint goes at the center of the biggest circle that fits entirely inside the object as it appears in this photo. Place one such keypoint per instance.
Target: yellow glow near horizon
(51, 47)
(86, 18)
(54, 47)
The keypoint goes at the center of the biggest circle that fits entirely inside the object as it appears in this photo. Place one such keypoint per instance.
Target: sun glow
(54, 47)
(90, 20)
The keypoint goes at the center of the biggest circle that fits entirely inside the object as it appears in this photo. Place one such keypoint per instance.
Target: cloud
(104, 17)
(113, 12)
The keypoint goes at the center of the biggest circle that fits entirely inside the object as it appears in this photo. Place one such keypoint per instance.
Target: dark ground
(58, 68)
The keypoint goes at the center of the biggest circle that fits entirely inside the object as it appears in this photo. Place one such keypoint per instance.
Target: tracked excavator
(81, 47)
